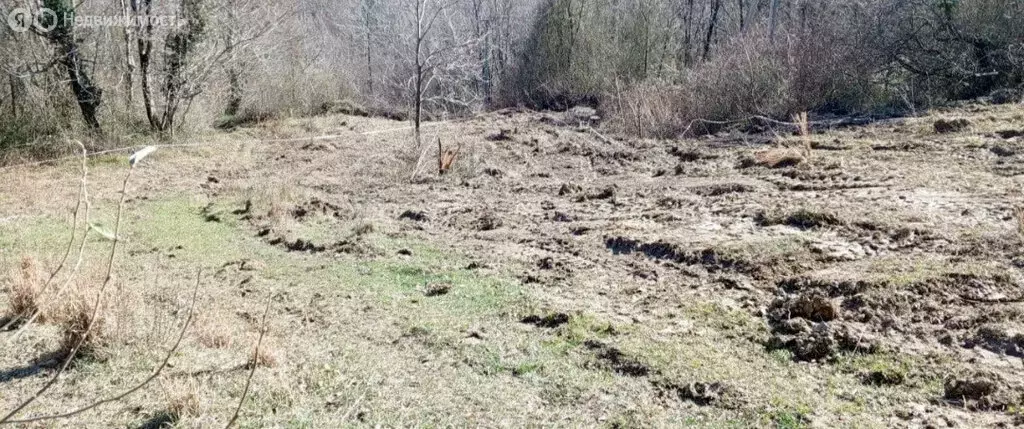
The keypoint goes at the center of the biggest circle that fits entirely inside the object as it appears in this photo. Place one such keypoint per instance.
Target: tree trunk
(14, 97)
(234, 92)
(233, 69)
(688, 29)
(369, 62)
(129, 62)
(647, 41)
(145, 46)
(772, 17)
(369, 21)
(419, 98)
(418, 95)
(741, 10)
(86, 93)
(715, 5)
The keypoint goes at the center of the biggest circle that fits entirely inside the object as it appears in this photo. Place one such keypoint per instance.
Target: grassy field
(551, 279)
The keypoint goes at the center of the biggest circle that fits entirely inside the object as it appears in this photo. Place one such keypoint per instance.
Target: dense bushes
(832, 57)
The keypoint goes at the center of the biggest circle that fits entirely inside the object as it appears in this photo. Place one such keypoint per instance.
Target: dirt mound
(827, 179)
(353, 245)
(414, 215)
(690, 155)
(774, 158)
(613, 359)
(553, 320)
(816, 319)
(721, 189)
(816, 341)
(802, 219)
(983, 390)
(1009, 134)
(813, 306)
(709, 258)
(605, 193)
(943, 126)
(488, 222)
(702, 394)
(315, 207)
(999, 338)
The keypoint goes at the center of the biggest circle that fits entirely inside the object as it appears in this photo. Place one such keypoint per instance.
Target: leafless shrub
(750, 76)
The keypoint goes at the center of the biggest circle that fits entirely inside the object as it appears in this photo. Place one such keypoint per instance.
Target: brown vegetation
(25, 288)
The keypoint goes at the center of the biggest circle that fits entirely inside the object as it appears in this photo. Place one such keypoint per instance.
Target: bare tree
(190, 57)
(437, 60)
(129, 57)
(369, 17)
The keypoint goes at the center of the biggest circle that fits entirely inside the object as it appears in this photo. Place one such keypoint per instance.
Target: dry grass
(74, 320)
(213, 333)
(777, 158)
(363, 228)
(273, 200)
(25, 290)
(182, 399)
(268, 355)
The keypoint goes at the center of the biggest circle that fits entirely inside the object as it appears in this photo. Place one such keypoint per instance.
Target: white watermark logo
(45, 20)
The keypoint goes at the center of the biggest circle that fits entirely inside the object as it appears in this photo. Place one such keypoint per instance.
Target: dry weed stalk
(419, 159)
(805, 133)
(156, 373)
(84, 334)
(446, 158)
(253, 363)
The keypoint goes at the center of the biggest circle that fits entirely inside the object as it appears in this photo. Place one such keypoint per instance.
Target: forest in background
(650, 67)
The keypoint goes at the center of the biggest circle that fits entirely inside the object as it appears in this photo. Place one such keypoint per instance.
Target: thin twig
(355, 404)
(125, 394)
(97, 303)
(255, 363)
(600, 136)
